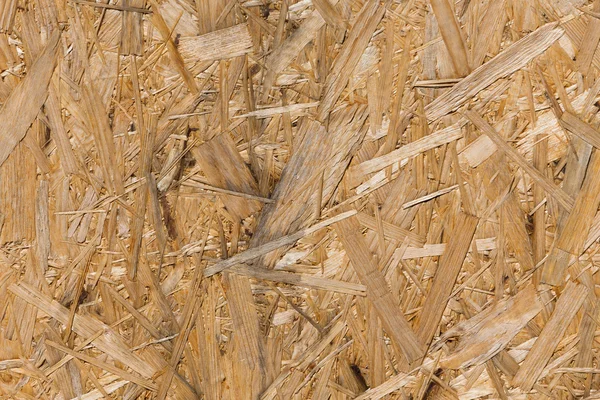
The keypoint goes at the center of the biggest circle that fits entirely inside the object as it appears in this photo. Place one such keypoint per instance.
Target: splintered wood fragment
(590, 41)
(478, 151)
(487, 333)
(494, 19)
(567, 306)
(323, 152)
(393, 384)
(349, 56)
(146, 146)
(8, 10)
(59, 133)
(168, 127)
(437, 83)
(268, 247)
(510, 60)
(174, 54)
(131, 29)
(452, 36)
(96, 394)
(586, 334)
(449, 267)
(218, 45)
(304, 359)
(215, 189)
(270, 112)
(378, 291)
(329, 13)
(432, 250)
(557, 193)
(572, 236)
(436, 139)
(223, 167)
(24, 103)
(285, 53)
(430, 196)
(246, 322)
(579, 128)
(99, 124)
(42, 226)
(314, 282)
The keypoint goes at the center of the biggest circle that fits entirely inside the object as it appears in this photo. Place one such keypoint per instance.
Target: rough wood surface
(299, 199)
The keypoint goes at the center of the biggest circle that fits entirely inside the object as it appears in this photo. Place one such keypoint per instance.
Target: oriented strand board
(299, 199)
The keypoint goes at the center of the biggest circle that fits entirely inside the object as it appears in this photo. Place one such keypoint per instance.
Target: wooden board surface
(299, 199)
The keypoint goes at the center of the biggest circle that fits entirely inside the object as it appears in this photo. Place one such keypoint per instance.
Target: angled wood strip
(510, 60)
(487, 333)
(452, 36)
(577, 127)
(479, 150)
(272, 111)
(145, 167)
(594, 233)
(378, 292)
(429, 196)
(577, 226)
(174, 53)
(108, 388)
(25, 101)
(329, 13)
(131, 29)
(587, 333)
(590, 41)
(218, 45)
(250, 341)
(349, 56)
(113, 6)
(557, 193)
(409, 150)
(52, 108)
(432, 250)
(546, 124)
(284, 54)
(210, 188)
(568, 304)
(99, 124)
(266, 248)
(391, 385)
(445, 277)
(168, 127)
(305, 280)
(494, 19)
